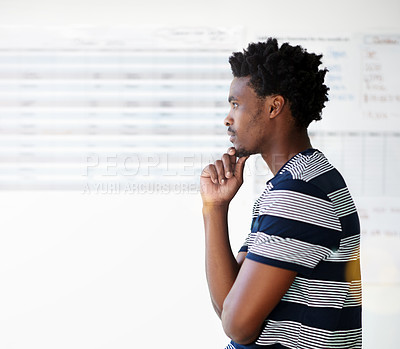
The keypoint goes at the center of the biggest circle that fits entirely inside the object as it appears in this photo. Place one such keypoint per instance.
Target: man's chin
(240, 153)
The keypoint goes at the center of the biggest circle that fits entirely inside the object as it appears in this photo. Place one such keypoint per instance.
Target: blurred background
(108, 113)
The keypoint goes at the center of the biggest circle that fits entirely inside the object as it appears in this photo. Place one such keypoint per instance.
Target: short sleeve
(248, 240)
(296, 229)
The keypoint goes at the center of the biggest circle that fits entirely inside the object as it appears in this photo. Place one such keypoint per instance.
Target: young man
(296, 281)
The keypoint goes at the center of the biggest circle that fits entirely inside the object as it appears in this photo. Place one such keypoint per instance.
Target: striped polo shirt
(306, 221)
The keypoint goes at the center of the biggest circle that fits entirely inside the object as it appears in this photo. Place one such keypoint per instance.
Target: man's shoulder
(309, 171)
(307, 180)
(306, 166)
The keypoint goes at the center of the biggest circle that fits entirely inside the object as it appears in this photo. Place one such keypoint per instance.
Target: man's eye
(235, 105)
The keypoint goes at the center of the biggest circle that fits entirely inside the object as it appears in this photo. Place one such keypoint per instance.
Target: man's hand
(219, 182)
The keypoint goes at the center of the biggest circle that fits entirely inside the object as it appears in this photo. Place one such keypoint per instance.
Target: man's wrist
(209, 207)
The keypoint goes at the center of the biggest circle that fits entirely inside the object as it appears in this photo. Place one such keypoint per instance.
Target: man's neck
(283, 149)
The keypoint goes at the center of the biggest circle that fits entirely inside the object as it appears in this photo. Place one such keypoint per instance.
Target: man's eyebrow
(232, 98)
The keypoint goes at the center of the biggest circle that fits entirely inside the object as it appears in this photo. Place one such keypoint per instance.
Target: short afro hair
(289, 71)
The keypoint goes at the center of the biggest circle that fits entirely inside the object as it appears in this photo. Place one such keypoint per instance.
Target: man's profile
(295, 282)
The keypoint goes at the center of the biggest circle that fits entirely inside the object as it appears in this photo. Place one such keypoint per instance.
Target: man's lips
(231, 134)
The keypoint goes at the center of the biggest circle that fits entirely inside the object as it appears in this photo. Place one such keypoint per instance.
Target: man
(296, 281)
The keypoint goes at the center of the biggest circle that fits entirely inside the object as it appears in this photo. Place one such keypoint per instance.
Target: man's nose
(228, 121)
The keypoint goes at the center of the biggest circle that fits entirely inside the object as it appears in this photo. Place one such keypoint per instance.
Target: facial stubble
(242, 152)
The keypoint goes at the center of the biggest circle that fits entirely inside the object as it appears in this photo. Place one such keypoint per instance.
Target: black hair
(289, 71)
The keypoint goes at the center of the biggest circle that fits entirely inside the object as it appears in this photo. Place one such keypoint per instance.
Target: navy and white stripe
(323, 293)
(300, 207)
(256, 207)
(296, 335)
(230, 346)
(342, 202)
(307, 167)
(354, 296)
(288, 249)
(305, 220)
(349, 250)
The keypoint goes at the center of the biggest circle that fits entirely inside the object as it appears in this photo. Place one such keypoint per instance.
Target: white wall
(100, 271)
(272, 16)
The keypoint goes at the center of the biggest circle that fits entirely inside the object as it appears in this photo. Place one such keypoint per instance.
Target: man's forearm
(221, 265)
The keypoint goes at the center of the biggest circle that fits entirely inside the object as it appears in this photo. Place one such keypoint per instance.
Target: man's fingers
(228, 164)
(220, 171)
(225, 168)
(240, 167)
(236, 166)
(210, 172)
(231, 151)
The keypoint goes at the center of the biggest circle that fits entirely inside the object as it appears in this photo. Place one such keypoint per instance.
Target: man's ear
(275, 106)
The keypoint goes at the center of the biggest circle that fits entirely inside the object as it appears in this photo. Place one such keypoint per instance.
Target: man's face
(246, 118)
